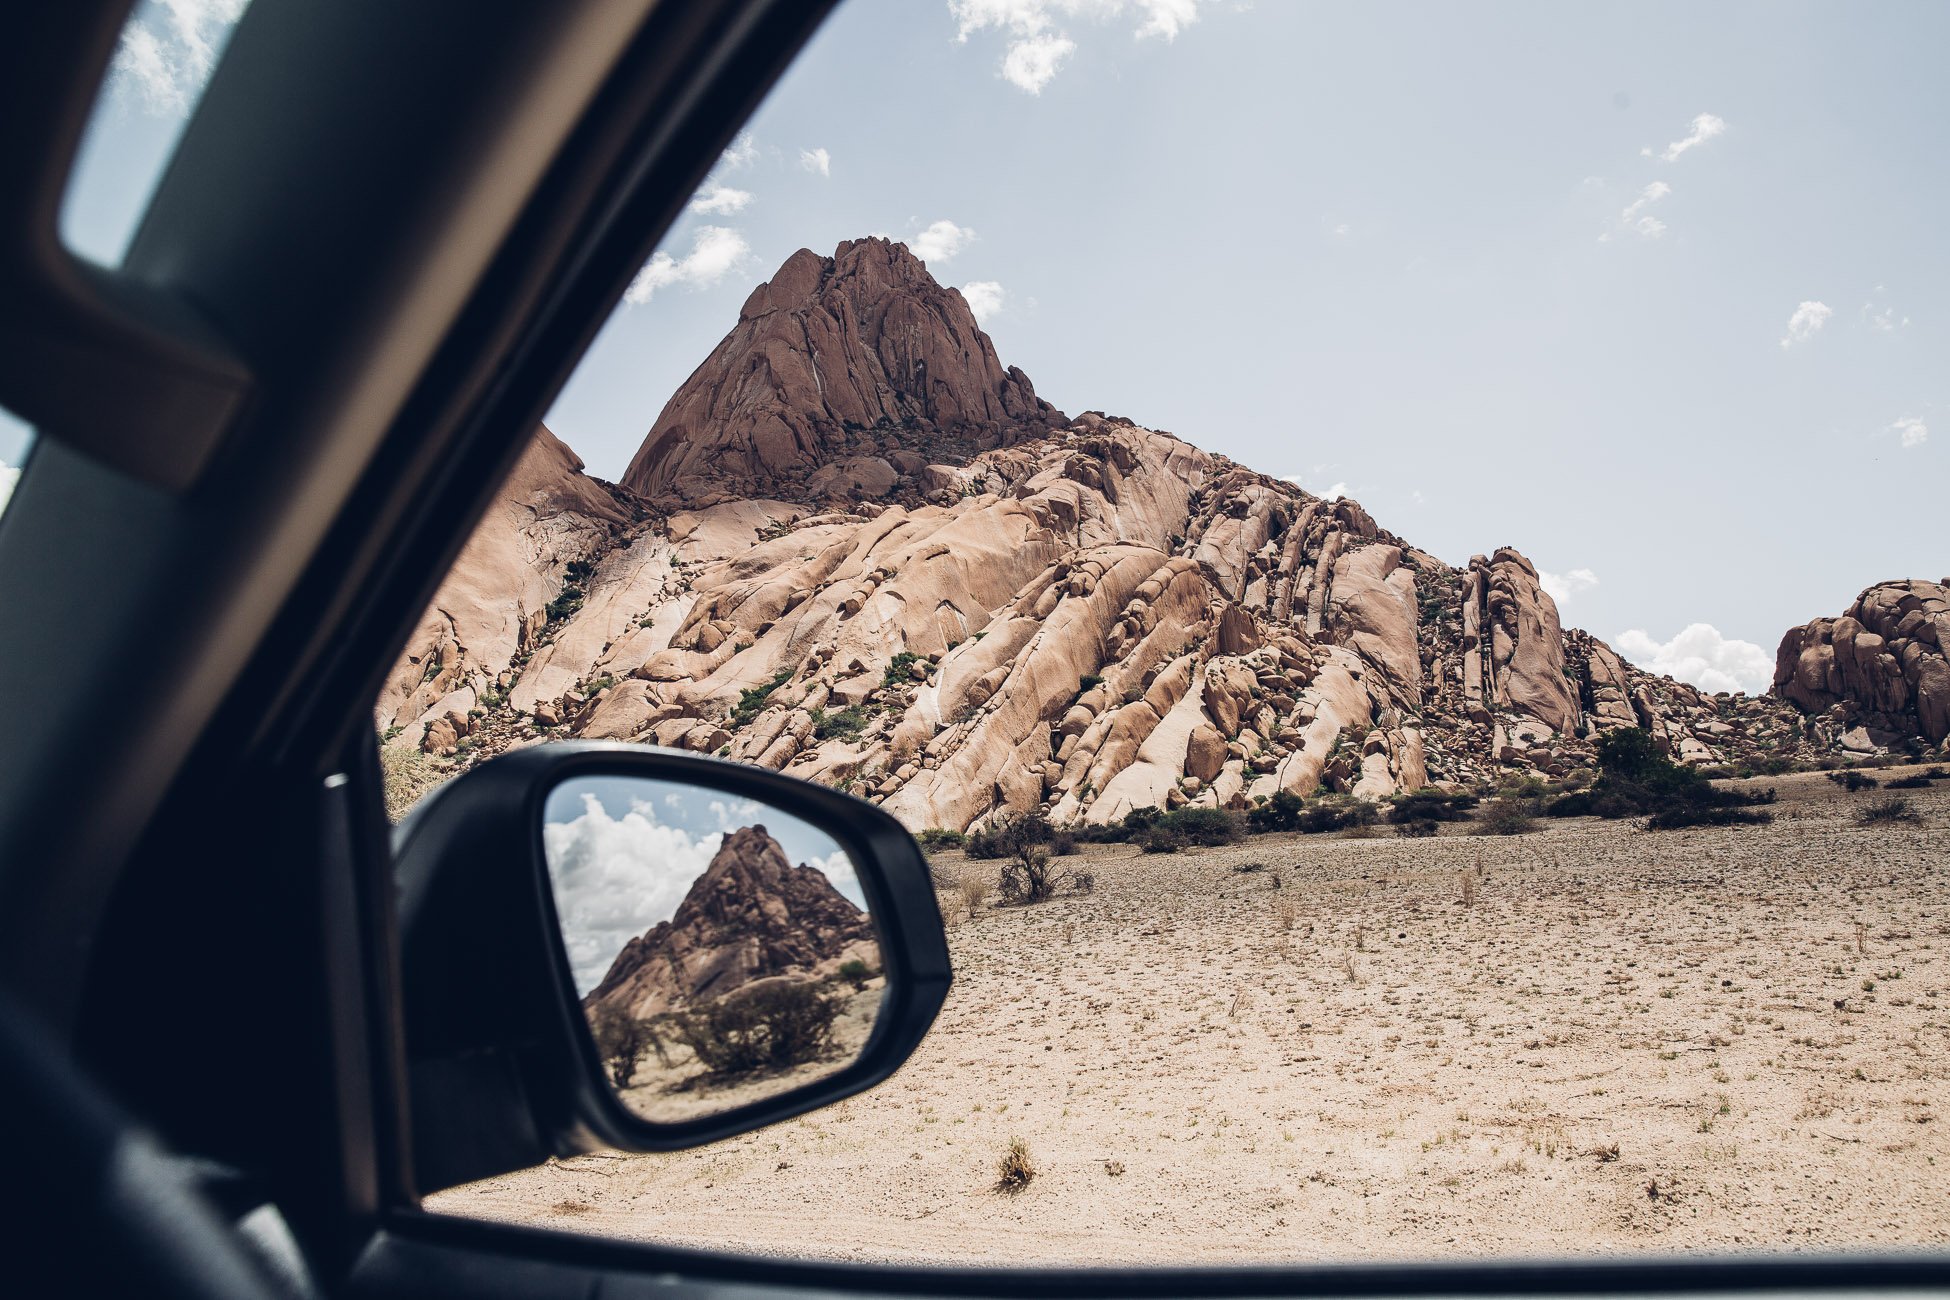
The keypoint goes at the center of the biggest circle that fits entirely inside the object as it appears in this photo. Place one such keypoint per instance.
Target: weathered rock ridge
(1082, 619)
(842, 376)
(1878, 673)
(752, 915)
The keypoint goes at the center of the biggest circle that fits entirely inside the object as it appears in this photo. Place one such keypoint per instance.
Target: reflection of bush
(775, 1026)
(620, 1040)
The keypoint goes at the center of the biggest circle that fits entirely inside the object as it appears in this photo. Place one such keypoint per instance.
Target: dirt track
(1706, 1039)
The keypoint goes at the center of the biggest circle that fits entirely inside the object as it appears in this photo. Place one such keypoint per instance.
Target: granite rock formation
(1034, 614)
(1879, 673)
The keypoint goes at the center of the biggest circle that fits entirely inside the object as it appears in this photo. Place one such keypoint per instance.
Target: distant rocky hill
(752, 915)
(855, 548)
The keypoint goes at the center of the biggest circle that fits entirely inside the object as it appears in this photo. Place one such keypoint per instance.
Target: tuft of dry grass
(1468, 889)
(974, 887)
(407, 774)
(1014, 1170)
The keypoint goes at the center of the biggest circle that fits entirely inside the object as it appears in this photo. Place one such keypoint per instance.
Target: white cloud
(1806, 322)
(716, 251)
(816, 160)
(616, 877)
(1636, 219)
(168, 50)
(1702, 656)
(1912, 431)
(940, 241)
(720, 200)
(1705, 127)
(1880, 316)
(1038, 46)
(1034, 61)
(984, 298)
(1341, 229)
(1333, 492)
(1561, 587)
(742, 153)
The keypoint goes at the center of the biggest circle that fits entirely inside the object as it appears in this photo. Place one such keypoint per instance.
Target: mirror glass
(722, 948)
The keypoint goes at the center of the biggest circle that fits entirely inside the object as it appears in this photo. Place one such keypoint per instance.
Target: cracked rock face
(928, 588)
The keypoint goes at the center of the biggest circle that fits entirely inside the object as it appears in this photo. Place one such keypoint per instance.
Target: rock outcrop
(752, 915)
(1074, 617)
(844, 376)
(1879, 673)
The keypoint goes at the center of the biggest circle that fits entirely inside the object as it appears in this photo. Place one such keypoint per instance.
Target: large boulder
(1883, 661)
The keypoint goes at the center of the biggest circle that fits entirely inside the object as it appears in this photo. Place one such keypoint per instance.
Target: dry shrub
(974, 889)
(1031, 877)
(1894, 808)
(1016, 1167)
(1469, 889)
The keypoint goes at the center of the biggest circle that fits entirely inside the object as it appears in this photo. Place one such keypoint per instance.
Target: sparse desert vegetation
(1585, 1038)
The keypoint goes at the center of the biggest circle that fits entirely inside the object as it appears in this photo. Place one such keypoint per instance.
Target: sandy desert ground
(1628, 1041)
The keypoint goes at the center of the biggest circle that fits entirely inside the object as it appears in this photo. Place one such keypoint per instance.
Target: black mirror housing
(502, 1069)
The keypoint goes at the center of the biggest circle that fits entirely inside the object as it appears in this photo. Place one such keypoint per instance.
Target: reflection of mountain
(751, 915)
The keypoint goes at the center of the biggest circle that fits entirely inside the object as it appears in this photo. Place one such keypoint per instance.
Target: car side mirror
(645, 949)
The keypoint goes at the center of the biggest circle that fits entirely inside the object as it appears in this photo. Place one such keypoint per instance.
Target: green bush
(1635, 780)
(1852, 780)
(934, 837)
(856, 972)
(899, 669)
(1160, 839)
(752, 702)
(1417, 830)
(1209, 827)
(1282, 812)
(847, 724)
(774, 1026)
(1682, 815)
(1427, 805)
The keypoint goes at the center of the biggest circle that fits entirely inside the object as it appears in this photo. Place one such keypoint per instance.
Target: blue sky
(1655, 293)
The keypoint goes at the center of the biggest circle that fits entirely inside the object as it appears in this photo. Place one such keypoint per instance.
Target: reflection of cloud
(616, 877)
(838, 869)
(168, 50)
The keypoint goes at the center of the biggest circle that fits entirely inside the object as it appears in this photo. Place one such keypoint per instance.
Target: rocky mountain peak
(859, 363)
(751, 915)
